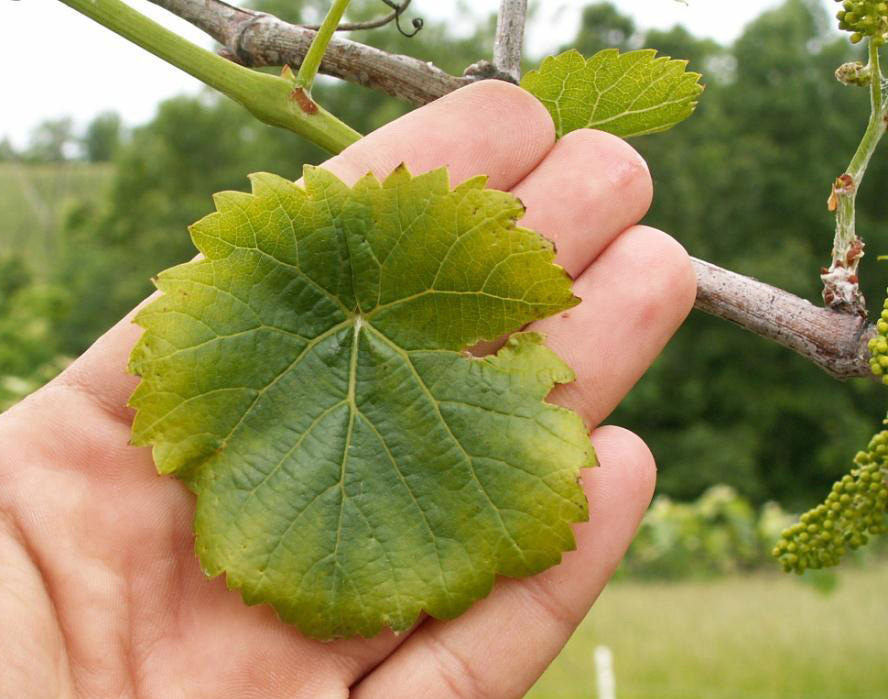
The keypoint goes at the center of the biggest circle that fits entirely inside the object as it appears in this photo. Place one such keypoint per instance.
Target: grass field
(35, 198)
(760, 637)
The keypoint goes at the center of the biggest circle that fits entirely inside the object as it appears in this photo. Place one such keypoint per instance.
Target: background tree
(52, 141)
(102, 137)
(7, 152)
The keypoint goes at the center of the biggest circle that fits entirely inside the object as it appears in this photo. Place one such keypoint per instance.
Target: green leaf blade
(627, 94)
(308, 379)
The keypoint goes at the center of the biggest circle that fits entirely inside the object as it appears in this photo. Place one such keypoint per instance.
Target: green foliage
(7, 151)
(603, 27)
(626, 94)
(35, 203)
(14, 276)
(308, 379)
(719, 533)
(102, 137)
(864, 18)
(52, 141)
(35, 200)
(855, 509)
(28, 311)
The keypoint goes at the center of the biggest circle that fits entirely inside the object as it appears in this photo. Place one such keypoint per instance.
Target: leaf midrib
(352, 413)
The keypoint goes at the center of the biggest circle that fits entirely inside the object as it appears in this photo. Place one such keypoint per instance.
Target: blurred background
(100, 178)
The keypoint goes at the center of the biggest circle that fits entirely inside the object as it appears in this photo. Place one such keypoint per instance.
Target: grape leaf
(308, 380)
(627, 94)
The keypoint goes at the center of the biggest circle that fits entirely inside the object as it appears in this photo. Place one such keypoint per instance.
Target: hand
(100, 592)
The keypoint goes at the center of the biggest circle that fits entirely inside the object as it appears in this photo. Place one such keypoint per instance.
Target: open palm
(101, 594)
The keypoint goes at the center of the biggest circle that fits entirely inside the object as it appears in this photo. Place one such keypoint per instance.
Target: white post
(604, 673)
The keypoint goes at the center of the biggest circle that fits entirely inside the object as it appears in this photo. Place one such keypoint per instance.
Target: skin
(101, 595)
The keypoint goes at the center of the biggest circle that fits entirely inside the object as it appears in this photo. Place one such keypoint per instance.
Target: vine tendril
(394, 16)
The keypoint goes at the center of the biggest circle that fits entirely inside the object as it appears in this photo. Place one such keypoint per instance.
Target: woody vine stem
(834, 338)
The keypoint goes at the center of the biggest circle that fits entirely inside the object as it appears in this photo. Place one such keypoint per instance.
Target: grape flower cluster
(878, 346)
(855, 509)
(864, 18)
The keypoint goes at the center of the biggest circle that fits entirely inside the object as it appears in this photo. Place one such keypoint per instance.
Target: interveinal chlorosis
(308, 379)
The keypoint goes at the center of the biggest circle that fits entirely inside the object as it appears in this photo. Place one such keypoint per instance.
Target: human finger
(635, 296)
(587, 190)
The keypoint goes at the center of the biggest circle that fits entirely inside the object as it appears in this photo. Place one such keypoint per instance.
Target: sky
(90, 70)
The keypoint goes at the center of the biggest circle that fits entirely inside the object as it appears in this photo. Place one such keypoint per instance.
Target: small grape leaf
(627, 94)
(308, 380)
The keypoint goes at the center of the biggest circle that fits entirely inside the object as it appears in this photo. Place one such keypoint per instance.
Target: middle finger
(587, 190)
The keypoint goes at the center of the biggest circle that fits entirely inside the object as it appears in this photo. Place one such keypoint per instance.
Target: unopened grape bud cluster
(855, 510)
(864, 18)
(878, 346)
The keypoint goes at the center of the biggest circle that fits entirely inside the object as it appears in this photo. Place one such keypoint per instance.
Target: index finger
(489, 127)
